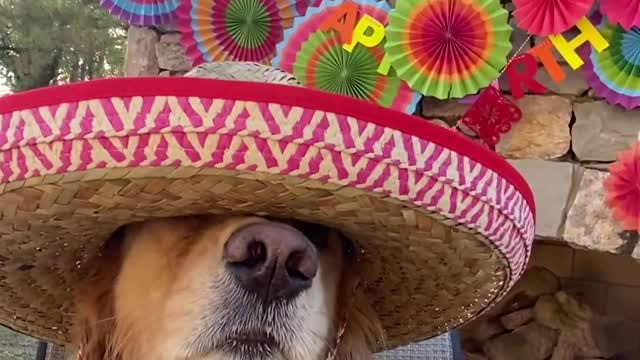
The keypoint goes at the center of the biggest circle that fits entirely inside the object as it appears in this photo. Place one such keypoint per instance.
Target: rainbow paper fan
(448, 48)
(614, 73)
(626, 13)
(324, 65)
(549, 17)
(234, 30)
(318, 60)
(142, 12)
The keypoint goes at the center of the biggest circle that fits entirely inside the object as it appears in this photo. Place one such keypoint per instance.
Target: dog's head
(208, 289)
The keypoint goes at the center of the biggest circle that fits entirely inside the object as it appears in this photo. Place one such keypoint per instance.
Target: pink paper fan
(623, 194)
(548, 17)
(623, 12)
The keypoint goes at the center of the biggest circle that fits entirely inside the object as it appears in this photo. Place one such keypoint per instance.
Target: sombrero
(444, 226)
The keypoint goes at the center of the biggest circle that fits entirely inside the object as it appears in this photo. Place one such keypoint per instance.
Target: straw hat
(444, 226)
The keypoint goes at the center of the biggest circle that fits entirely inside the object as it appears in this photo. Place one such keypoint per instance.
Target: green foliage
(43, 42)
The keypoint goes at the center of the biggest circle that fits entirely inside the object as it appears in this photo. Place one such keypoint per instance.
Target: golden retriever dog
(210, 288)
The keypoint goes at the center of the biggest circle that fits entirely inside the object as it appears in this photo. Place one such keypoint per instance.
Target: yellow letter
(385, 65)
(567, 49)
(360, 35)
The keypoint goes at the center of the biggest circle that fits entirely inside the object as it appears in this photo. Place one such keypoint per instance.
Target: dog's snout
(272, 260)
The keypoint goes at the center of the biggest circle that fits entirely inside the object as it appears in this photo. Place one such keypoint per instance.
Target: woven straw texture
(442, 236)
(243, 71)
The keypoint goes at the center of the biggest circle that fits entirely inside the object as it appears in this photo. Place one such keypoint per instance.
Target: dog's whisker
(105, 320)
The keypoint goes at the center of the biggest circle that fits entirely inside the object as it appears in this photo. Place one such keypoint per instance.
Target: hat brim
(444, 226)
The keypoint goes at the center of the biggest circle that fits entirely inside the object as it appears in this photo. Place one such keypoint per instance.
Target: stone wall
(545, 318)
(562, 145)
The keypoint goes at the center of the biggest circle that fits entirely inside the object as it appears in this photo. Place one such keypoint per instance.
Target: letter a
(347, 11)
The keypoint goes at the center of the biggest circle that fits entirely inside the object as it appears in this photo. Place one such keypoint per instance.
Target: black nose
(272, 260)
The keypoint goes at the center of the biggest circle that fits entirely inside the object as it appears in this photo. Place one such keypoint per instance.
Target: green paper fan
(322, 63)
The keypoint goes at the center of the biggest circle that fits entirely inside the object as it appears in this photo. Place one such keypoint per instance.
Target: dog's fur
(159, 290)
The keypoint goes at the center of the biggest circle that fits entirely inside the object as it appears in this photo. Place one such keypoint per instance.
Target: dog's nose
(272, 260)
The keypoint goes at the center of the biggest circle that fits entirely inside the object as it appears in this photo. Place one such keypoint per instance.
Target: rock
(543, 132)
(561, 311)
(573, 84)
(165, 74)
(167, 28)
(478, 332)
(516, 319)
(630, 355)
(617, 338)
(535, 282)
(563, 351)
(518, 38)
(442, 109)
(551, 201)
(171, 54)
(602, 130)
(580, 329)
(548, 312)
(531, 342)
(589, 222)
(140, 57)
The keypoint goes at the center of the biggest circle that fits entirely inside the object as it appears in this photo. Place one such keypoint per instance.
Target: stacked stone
(153, 52)
(539, 321)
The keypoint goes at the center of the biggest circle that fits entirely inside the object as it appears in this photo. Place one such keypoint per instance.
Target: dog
(237, 288)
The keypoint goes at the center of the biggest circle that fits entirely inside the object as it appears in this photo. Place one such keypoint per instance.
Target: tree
(43, 42)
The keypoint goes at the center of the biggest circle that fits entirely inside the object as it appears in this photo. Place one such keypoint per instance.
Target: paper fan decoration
(448, 48)
(549, 17)
(626, 13)
(302, 6)
(319, 61)
(234, 30)
(324, 65)
(614, 73)
(142, 12)
(622, 187)
(306, 25)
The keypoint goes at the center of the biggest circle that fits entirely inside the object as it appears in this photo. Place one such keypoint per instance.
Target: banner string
(525, 42)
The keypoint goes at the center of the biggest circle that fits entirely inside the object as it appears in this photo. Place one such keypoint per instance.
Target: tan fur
(152, 283)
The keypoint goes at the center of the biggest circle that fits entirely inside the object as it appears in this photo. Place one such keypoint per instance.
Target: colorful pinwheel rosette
(442, 226)
(235, 30)
(550, 17)
(448, 48)
(318, 59)
(623, 194)
(614, 74)
(625, 13)
(142, 12)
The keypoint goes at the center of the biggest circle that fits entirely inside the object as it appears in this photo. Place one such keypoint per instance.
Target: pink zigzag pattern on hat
(271, 138)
